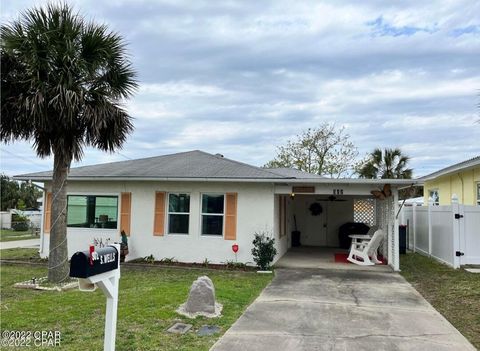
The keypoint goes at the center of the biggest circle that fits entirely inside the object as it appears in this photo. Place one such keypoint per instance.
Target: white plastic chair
(372, 230)
(365, 248)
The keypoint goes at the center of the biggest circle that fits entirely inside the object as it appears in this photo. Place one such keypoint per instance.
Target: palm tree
(386, 164)
(63, 83)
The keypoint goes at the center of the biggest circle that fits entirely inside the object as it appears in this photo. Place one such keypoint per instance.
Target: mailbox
(85, 264)
(100, 268)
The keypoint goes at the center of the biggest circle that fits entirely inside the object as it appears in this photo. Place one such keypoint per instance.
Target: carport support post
(396, 236)
(414, 226)
(402, 214)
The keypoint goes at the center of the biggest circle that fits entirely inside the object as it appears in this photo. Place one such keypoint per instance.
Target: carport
(318, 208)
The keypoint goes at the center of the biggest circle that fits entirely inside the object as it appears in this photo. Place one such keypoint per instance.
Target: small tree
(18, 195)
(264, 250)
(9, 193)
(29, 194)
(326, 150)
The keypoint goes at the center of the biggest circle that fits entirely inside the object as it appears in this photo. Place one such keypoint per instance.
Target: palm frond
(63, 82)
(385, 164)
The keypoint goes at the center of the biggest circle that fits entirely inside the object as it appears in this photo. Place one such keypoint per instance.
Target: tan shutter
(231, 217)
(159, 218)
(47, 218)
(125, 212)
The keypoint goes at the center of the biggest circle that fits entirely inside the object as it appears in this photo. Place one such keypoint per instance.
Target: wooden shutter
(231, 217)
(47, 213)
(159, 217)
(125, 212)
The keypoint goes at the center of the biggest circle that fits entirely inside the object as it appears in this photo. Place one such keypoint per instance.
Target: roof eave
(243, 180)
(448, 172)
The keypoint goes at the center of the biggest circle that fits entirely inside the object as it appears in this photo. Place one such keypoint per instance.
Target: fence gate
(448, 233)
(468, 221)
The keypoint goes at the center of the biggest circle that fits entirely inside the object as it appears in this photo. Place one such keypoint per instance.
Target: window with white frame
(433, 194)
(178, 213)
(92, 211)
(212, 214)
(478, 194)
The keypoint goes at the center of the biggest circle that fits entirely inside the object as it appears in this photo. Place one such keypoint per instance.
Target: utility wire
(128, 158)
(22, 157)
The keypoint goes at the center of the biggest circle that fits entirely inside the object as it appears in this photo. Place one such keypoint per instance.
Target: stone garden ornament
(201, 300)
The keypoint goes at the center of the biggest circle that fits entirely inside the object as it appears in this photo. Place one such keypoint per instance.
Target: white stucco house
(194, 206)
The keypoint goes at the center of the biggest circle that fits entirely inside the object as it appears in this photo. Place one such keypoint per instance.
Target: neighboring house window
(91, 211)
(478, 194)
(178, 213)
(433, 194)
(212, 214)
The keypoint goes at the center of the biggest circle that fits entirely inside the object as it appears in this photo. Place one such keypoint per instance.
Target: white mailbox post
(100, 268)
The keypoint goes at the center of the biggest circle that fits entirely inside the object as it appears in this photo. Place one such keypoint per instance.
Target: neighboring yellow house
(462, 179)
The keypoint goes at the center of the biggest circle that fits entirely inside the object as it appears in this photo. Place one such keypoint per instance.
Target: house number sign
(337, 191)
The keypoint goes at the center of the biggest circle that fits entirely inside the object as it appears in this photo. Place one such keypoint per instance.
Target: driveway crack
(355, 297)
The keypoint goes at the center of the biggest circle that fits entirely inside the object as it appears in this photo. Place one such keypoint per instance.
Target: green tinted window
(89, 211)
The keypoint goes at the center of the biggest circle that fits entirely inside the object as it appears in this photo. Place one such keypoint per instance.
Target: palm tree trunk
(58, 269)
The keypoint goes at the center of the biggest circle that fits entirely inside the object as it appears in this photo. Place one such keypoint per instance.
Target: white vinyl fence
(5, 220)
(451, 234)
(34, 218)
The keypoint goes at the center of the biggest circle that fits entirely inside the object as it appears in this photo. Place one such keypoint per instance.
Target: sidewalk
(31, 243)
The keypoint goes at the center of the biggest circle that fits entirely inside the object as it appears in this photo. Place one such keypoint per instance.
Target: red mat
(341, 257)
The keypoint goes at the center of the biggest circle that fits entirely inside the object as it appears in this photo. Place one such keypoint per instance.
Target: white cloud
(396, 85)
(181, 89)
(241, 77)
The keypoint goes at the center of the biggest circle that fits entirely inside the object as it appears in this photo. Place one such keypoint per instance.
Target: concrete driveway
(313, 309)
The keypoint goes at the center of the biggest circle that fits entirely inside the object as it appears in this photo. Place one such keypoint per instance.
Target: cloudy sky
(240, 77)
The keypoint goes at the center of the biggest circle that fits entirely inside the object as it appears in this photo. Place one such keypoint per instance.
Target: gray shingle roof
(473, 162)
(196, 165)
(192, 164)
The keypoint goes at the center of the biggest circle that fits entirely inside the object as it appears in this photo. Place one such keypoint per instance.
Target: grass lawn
(22, 254)
(147, 302)
(455, 293)
(11, 235)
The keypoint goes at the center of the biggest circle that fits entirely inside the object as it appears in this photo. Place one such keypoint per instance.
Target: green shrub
(230, 264)
(168, 260)
(19, 223)
(264, 250)
(206, 262)
(149, 259)
(20, 226)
